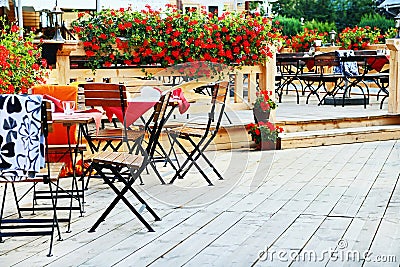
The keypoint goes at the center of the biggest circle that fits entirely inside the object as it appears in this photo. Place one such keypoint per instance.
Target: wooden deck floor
(323, 205)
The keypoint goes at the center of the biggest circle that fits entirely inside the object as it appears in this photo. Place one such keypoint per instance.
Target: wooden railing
(245, 80)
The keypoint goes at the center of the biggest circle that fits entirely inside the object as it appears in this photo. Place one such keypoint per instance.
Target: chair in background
(201, 136)
(22, 160)
(58, 138)
(108, 95)
(115, 96)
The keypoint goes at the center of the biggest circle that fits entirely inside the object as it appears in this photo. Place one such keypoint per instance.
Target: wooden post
(238, 91)
(267, 79)
(394, 76)
(62, 65)
(251, 87)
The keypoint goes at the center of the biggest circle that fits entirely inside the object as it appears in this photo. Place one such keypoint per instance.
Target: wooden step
(340, 136)
(339, 123)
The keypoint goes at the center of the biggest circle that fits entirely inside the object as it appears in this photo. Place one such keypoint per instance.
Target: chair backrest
(326, 59)
(105, 95)
(47, 118)
(158, 119)
(47, 127)
(59, 136)
(219, 94)
(62, 92)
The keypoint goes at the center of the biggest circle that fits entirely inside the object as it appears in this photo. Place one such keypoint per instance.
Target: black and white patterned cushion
(21, 139)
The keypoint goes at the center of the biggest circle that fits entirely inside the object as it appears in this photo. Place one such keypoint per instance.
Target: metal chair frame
(42, 226)
(219, 94)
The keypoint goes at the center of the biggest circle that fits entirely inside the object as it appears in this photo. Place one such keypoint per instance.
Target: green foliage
(320, 26)
(344, 13)
(289, 26)
(378, 21)
(349, 12)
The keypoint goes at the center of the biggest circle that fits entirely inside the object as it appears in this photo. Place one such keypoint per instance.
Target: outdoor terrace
(343, 199)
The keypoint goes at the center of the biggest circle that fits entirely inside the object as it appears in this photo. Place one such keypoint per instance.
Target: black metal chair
(201, 136)
(109, 165)
(30, 116)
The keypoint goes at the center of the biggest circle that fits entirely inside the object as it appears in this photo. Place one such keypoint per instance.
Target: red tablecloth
(133, 112)
(378, 62)
(138, 106)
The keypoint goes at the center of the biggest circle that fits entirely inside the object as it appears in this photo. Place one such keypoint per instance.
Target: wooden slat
(55, 170)
(222, 91)
(108, 134)
(130, 160)
(102, 102)
(104, 156)
(119, 158)
(110, 94)
(104, 94)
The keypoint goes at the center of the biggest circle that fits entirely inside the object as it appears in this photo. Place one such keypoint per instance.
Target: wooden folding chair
(201, 136)
(115, 161)
(13, 171)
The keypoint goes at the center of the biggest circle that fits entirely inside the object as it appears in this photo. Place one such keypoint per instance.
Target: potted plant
(20, 61)
(263, 106)
(359, 37)
(302, 41)
(264, 134)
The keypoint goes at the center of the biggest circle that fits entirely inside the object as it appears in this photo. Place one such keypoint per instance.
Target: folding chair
(63, 147)
(22, 159)
(114, 162)
(201, 136)
(114, 95)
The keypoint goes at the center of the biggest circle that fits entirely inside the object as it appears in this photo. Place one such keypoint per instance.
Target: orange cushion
(61, 92)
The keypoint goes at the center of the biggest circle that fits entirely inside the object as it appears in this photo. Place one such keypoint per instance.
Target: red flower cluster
(21, 65)
(303, 41)
(263, 101)
(359, 37)
(170, 37)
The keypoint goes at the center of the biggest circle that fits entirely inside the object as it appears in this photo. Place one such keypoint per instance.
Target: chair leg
(201, 153)
(138, 197)
(120, 196)
(16, 200)
(55, 220)
(189, 158)
(172, 150)
(154, 167)
(2, 209)
(20, 224)
(88, 171)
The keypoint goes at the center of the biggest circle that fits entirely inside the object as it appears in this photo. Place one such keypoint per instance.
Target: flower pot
(260, 116)
(266, 145)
